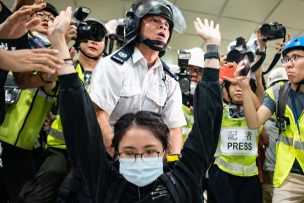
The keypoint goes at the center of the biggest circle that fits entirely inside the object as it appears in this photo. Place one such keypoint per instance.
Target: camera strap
(273, 63)
(282, 121)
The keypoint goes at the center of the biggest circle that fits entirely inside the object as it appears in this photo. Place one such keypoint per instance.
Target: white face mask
(192, 87)
(143, 171)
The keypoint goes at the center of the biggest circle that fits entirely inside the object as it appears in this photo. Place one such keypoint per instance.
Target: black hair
(50, 8)
(145, 119)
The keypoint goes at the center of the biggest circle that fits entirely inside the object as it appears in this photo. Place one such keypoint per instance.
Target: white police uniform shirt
(119, 89)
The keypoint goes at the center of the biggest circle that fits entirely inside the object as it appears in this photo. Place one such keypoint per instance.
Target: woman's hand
(242, 81)
(208, 31)
(58, 29)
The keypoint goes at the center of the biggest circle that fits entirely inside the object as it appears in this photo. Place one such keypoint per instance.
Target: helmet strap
(153, 44)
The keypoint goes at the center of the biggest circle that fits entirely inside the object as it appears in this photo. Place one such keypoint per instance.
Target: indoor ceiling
(235, 17)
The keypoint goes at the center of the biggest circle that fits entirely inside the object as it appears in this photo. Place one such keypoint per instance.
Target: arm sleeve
(269, 103)
(172, 112)
(106, 84)
(201, 144)
(82, 133)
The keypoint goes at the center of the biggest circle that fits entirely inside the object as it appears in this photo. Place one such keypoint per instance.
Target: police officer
(134, 78)
(288, 177)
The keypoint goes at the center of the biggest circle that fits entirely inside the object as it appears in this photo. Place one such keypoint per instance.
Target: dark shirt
(87, 152)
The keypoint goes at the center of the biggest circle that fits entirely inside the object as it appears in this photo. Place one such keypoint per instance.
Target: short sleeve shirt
(119, 89)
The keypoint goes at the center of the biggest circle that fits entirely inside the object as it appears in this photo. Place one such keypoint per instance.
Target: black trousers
(17, 166)
(43, 188)
(226, 188)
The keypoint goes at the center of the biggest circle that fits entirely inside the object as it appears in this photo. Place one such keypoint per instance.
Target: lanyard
(295, 112)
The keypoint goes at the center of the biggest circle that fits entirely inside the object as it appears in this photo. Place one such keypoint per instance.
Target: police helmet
(142, 8)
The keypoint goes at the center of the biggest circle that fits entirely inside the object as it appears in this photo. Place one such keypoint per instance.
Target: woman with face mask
(137, 172)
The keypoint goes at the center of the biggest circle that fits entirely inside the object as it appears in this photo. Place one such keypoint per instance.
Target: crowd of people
(80, 124)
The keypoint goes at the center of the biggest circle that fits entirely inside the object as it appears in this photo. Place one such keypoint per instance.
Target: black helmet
(142, 8)
(98, 31)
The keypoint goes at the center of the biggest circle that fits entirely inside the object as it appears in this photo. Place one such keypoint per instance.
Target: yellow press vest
(290, 144)
(55, 137)
(189, 119)
(237, 147)
(23, 120)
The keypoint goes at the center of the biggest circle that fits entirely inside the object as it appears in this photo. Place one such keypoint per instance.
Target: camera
(239, 49)
(88, 29)
(183, 77)
(273, 31)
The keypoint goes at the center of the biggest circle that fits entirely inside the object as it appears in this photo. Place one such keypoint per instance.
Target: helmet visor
(169, 11)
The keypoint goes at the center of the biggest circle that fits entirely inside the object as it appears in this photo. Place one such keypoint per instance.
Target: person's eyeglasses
(44, 15)
(292, 59)
(192, 70)
(134, 156)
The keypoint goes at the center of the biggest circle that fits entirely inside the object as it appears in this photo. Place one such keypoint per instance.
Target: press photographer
(191, 63)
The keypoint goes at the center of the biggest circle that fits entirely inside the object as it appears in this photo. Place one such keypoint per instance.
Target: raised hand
(208, 31)
(242, 81)
(20, 22)
(60, 26)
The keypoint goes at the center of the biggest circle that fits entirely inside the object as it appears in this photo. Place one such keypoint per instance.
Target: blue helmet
(295, 43)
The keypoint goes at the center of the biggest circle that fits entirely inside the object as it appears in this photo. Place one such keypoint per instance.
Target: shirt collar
(137, 56)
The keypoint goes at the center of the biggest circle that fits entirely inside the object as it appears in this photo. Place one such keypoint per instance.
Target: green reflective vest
(24, 119)
(290, 145)
(189, 119)
(237, 146)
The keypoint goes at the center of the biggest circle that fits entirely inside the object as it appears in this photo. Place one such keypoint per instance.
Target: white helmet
(197, 57)
(276, 75)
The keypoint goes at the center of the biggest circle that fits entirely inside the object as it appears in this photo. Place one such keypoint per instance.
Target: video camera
(87, 30)
(273, 31)
(183, 77)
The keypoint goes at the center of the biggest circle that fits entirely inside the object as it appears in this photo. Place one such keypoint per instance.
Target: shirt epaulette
(122, 55)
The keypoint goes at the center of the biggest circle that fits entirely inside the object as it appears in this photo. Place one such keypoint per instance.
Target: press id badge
(238, 141)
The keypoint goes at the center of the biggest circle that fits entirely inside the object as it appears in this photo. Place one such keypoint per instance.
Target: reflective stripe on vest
(246, 170)
(24, 119)
(56, 133)
(237, 160)
(290, 142)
